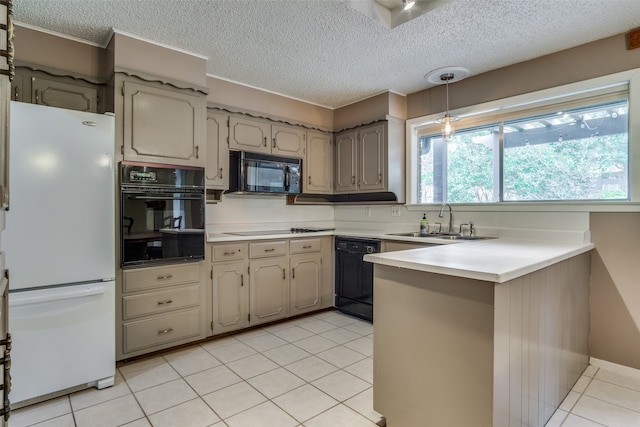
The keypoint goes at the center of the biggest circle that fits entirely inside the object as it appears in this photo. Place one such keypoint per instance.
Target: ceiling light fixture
(448, 130)
(447, 75)
(408, 4)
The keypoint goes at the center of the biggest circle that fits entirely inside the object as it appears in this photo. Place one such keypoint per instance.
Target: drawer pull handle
(165, 302)
(270, 250)
(265, 141)
(230, 253)
(168, 276)
(307, 246)
(293, 273)
(284, 273)
(165, 331)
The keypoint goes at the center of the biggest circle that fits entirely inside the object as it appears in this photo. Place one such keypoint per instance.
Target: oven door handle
(163, 198)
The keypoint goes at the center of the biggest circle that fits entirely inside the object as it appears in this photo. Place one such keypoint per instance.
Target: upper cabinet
(371, 159)
(318, 169)
(217, 164)
(37, 87)
(260, 136)
(163, 124)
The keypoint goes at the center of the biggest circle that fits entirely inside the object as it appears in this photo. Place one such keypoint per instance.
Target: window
(576, 150)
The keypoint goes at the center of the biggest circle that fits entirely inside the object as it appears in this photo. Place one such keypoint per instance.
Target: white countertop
(498, 260)
(495, 260)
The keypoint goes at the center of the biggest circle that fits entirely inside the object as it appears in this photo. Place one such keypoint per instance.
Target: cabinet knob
(379, 178)
(353, 180)
(168, 276)
(274, 143)
(165, 331)
(220, 173)
(309, 180)
(265, 141)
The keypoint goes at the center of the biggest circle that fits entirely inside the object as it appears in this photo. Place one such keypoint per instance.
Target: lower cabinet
(263, 281)
(305, 283)
(230, 303)
(269, 290)
(160, 307)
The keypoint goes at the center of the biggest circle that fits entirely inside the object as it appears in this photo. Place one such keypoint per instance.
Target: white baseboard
(614, 367)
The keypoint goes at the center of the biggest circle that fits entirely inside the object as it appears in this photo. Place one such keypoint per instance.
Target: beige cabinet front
(269, 290)
(260, 136)
(371, 157)
(249, 135)
(318, 169)
(346, 162)
(230, 293)
(287, 141)
(217, 167)
(64, 95)
(305, 283)
(162, 124)
(361, 159)
(39, 87)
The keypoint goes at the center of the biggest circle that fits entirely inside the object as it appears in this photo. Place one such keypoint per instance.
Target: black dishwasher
(354, 276)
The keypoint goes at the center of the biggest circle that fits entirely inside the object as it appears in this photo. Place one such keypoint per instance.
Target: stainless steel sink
(444, 236)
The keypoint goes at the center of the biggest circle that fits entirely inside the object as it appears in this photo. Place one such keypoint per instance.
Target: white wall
(257, 212)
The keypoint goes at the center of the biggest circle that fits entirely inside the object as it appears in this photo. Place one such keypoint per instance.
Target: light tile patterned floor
(601, 397)
(314, 371)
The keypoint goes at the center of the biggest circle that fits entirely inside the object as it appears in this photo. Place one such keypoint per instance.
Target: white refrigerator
(60, 250)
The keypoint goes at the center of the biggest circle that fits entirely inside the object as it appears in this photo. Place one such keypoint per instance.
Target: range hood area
(380, 198)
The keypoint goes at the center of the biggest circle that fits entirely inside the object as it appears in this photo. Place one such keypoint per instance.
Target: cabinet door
(249, 134)
(163, 125)
(287, 141)
(230, 297)
(318, 168)
(54, 93)
(345, 163)
(269, 291)
(372, 157)
(305, 283)
(217, 167)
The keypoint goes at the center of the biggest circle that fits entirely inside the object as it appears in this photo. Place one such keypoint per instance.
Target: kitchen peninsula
(486, 333)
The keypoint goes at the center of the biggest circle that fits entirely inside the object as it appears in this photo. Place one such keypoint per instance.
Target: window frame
(506, 107)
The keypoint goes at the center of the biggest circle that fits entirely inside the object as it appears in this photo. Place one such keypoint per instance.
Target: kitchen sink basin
(444, 236)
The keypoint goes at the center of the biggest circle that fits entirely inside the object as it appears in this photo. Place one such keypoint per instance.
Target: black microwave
(264, 173)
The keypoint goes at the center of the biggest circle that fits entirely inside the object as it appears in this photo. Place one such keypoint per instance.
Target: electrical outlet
(395, 210)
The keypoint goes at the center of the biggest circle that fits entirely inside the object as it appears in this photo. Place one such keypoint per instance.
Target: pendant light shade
(447, 75)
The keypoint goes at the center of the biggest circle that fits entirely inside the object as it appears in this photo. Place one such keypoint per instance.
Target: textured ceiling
(327, 53)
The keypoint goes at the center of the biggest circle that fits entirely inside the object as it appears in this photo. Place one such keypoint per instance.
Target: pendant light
(408, 4)
(445, 76)
(448, 129)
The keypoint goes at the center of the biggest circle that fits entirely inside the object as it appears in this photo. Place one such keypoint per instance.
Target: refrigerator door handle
(24, 298)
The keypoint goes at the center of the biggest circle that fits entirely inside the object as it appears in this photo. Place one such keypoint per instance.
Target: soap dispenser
(424, 224)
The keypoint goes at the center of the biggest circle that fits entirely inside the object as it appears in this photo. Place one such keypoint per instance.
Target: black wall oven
(161, 214)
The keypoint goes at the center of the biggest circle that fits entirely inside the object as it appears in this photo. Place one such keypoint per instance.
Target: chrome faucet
(444, 205)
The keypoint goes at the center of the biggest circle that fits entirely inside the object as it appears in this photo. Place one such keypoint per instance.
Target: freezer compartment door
(62, 337)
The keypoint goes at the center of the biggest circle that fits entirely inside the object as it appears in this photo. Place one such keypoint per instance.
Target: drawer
(154, 277)
(161, 330)
(160, 301)
(303, 246)
(232, 252)
(266, 249)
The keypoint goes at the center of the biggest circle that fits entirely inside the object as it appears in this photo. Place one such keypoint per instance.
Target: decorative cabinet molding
(163, 124)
